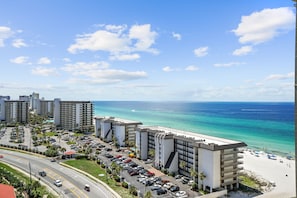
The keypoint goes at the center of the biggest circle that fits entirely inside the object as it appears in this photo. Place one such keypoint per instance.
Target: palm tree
(151, 153)
(182, 164)
(148, 194)
(202, 176)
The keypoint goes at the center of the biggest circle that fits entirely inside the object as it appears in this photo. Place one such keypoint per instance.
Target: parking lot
(135, 172)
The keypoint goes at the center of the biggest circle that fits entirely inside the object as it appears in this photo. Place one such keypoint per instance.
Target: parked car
(127, 160)
(133, 173)
(181, 194)
(155, 187)
(58, 183)
(161, 191)
(174, 188)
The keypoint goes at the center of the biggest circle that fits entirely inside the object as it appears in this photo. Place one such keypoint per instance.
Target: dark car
(155, 188)
(174, 188)
(108, 155)
(133, 173)
(161, 191)
(42, 173)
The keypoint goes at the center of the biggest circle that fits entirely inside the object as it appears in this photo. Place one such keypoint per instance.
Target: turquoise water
(263, 126)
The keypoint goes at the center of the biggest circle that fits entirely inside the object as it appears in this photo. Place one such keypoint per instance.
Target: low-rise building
(121, 131)
(212, 162)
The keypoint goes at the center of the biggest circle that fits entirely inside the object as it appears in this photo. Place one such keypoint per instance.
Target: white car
(58, 183)
(181, 194)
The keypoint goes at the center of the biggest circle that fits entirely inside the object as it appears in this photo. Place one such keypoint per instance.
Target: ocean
(266, 126)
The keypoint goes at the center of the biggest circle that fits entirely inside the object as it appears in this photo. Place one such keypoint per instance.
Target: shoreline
(278, 171)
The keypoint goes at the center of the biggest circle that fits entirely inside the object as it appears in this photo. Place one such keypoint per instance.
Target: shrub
(125, 184)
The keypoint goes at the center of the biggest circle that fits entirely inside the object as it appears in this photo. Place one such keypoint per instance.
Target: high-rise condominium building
(182, 152)
(14, 111)
(73, 115)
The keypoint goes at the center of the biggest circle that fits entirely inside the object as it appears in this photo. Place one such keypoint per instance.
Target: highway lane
(73, 182)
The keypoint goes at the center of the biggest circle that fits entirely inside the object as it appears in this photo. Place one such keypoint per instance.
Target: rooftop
(118, 120)
(205, 139)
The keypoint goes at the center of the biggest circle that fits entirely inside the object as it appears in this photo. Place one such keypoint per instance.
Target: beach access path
(279, 170)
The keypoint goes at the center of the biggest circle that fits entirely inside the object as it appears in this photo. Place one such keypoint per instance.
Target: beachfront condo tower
(216, 162)
(73, 115)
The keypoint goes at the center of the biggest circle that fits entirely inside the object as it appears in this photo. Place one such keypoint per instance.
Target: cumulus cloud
(5, 33)
(244, 50)
(117, 40)
(124, 57)
(176, 36)
(143, 36)
(167, 69)
(20, 60)
(228, 64)
(202, 51)
(264, 25)
(191, 68)
(43, 71)
(44, 61)
(290, 75)
(18, 43)
(99, 72)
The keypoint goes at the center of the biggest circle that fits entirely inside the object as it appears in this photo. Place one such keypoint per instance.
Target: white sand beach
(280, 171)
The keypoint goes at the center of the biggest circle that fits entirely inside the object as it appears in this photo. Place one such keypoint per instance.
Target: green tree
(202, 176)
(182, 164)
(152, 153)
(148, 194)
(133, 190)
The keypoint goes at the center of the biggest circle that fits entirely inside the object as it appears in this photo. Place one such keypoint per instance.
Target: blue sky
(194, 50)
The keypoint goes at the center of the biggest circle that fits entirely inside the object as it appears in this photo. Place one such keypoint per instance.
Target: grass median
(92, 168)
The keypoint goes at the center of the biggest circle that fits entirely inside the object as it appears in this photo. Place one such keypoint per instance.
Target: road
(73, 182)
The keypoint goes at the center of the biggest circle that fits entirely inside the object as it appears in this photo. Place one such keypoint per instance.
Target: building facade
(14, 111)
(73, 115)
(114, 129)
(186, 153)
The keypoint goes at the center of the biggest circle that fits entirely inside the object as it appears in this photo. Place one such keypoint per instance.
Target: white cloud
(66, 60)
(5, 33)
(244, 50)
(124, 57)
(192, 68)
(78, 67)
(18, 43)
(262, 26)
(167, 69)
(44, 61)
(99, 73)
(202, 51)
(117, 40)
(280, 76)
(228, 64)
(43, 71)
(20, 60)
(176, 36)
(144, 37)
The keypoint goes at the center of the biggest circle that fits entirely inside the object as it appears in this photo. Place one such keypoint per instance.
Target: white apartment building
(73, 115)
(34, 97)
(183, 152)
(14, 111)
(45, 108)
(110, 129)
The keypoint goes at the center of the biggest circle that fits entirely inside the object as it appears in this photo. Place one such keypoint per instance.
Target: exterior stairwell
(107, 133)
(171, 156)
